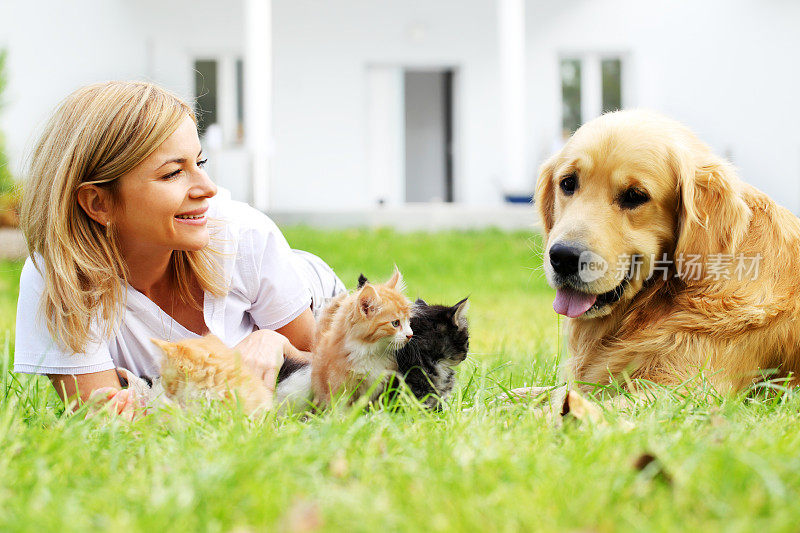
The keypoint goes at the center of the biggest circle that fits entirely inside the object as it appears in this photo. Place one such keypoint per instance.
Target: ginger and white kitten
(207, 368)
(358, 337)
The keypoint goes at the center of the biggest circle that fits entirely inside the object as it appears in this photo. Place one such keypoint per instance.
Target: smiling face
(160, 204)
(609, 203)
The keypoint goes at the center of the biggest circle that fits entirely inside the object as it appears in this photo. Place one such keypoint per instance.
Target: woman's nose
(204, 187)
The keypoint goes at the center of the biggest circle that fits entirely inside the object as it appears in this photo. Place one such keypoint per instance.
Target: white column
(258, 96)
(511, 32)
(226, 97)
(386, 134)
(591, 88)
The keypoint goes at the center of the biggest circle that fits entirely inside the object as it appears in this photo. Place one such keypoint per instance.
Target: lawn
(722, 464)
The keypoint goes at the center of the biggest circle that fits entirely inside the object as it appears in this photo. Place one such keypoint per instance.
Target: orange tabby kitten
(357, 338)
(206, 367)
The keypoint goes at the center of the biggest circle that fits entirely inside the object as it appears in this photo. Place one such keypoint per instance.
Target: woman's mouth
(195, 218)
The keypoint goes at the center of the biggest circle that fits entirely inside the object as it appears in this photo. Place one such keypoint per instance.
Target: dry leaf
(302, 516)
(339, 466)
(651, 466)
(581, 408)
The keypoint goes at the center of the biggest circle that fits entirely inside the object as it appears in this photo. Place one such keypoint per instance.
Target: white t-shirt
(265, 292)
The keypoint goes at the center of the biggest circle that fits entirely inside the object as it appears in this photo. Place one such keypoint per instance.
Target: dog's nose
(565, 259)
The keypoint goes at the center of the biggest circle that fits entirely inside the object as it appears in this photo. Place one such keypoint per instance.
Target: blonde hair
(98, 133)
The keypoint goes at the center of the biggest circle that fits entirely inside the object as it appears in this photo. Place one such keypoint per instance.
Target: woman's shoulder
(251, 245)
(241, 219)
(30, 279)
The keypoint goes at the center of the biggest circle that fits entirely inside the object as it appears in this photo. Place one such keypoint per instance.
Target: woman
(129, 241)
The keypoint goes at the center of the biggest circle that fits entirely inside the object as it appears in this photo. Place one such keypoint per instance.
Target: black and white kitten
(440, 342)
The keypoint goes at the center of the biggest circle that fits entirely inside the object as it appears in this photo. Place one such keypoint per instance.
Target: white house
(320, 104)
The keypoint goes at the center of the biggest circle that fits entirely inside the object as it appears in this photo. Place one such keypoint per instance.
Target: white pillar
(591, 88)
(511, 33)
(258, 96)
(226, 97)
(386, 134)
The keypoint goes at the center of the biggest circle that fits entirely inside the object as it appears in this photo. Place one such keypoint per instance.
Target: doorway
(428, 102)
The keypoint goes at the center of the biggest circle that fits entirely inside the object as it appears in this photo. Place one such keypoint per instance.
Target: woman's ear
(545, 199)
(713, 216)
(96, 203)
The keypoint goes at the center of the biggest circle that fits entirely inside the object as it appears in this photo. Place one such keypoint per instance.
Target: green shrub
(7, 182)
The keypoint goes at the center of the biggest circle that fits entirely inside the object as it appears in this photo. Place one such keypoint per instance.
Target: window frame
(591, 83)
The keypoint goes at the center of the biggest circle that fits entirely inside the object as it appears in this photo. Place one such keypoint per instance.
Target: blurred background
(350, 108)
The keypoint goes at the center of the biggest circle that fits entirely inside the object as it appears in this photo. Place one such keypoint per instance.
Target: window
(590, 85)
(205, 92)
(239, 100)
(612, 84)
(219, 98)
(570, 96)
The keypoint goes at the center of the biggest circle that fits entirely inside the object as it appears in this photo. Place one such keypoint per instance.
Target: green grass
(733, 463)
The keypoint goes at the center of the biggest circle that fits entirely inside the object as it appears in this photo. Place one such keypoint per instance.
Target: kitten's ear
(164, 345)
(420, 301)
(368, 300)
(212, 343)
(460, 317)
(362, 280)
(396, 281)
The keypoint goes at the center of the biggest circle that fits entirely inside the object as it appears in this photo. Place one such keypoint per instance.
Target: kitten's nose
(408, 336)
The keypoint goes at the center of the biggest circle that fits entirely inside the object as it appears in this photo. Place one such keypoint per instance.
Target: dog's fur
(668, 330)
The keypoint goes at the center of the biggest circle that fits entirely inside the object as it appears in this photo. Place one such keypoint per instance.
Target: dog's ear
(712, 214)
(545, 194)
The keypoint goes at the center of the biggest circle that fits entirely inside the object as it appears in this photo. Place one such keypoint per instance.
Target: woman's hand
(263, 352)
(102, 391)
(300, 331)
(113, 401)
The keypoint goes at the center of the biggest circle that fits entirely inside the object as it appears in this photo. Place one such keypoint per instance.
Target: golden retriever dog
(664, 261)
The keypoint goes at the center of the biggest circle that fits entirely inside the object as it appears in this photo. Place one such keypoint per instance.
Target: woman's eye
(568, 184)
(633, 198)
(171, 175)
(396, 323)
(201, 164)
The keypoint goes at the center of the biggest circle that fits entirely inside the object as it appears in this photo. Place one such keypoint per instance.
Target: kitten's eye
(568, 184)
(633, 198)
(396, 323)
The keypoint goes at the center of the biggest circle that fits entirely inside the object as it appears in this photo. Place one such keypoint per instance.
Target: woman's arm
(300, 331)
(264, 351)
(68, 386)
(99, 388)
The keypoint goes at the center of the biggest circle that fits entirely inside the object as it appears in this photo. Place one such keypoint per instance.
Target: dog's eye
(633, 198)
(568, 184)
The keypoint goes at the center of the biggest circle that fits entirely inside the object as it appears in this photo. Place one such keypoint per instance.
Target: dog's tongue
(572, 303)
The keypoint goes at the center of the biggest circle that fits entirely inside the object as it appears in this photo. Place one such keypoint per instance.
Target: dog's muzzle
(565, 260)
(576, 267)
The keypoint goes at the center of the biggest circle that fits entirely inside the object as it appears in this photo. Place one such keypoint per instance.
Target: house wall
(727, 68)
(55, 47)
(52, 52)
(730, 69)
(322, 52)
